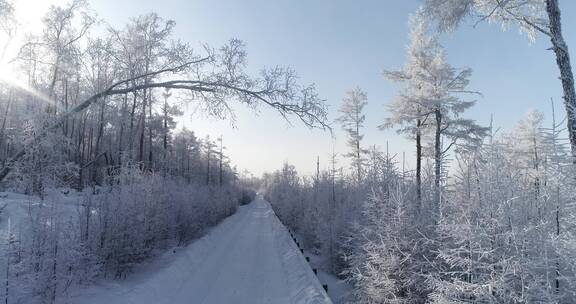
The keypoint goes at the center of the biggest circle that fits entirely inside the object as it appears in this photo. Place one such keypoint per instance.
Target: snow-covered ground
(248, 258)
(339, 291)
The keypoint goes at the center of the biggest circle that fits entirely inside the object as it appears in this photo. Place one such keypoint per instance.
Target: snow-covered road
(248, 258)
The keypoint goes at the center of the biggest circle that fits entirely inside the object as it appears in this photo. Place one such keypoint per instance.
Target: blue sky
(342, 44)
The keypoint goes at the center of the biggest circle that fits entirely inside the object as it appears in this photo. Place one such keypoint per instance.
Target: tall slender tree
(409, 110)
(352, 120)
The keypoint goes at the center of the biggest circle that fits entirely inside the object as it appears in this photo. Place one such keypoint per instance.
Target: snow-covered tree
(352, 120)
(532, 17)
(443, 84)
(501, 222)
(431, 98)
(142, 58)
(408, 110)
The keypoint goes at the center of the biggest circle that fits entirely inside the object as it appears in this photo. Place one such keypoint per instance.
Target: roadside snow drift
(248, 258)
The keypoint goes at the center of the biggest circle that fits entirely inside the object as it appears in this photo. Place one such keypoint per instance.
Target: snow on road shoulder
(304, 285)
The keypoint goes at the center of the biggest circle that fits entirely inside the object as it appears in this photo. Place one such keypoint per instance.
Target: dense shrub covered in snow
(58, 242)
(503, 233)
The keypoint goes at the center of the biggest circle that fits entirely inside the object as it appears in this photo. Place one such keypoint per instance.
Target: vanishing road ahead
(248, 258)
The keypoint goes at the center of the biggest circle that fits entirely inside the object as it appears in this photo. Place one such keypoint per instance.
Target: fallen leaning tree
(214, 80)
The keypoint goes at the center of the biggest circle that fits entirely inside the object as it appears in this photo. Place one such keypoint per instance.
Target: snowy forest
(487, 216)
(99, 178)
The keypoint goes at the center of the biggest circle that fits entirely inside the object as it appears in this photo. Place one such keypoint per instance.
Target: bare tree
(215, 80)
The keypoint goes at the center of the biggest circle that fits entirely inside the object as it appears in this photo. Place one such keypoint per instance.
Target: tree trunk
(81, 152)
(8, 260)
(121, 133)
(331, 212)
(4, 120)
(208, 166)
(437, 160)
(55, 265)
(358, 162)
(557, 272)
(131, 134)
(188, 173)
(536, 178)
(418, 166)
(51, 89)
(165, 143)
(563, 61)
(65, 125)
(99, 137)
(150, 153)
(143, 130)
(220, 176)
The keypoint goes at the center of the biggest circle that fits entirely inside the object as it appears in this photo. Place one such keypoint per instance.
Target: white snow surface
(248, 258)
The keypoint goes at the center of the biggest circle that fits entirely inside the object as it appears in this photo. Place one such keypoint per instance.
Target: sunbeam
(7, 78)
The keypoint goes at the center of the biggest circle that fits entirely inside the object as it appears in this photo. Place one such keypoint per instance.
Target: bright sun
(28, 15)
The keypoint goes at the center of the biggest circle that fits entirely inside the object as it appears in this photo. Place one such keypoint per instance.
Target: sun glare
(8, 77)
(29, 14)
(5, 72)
